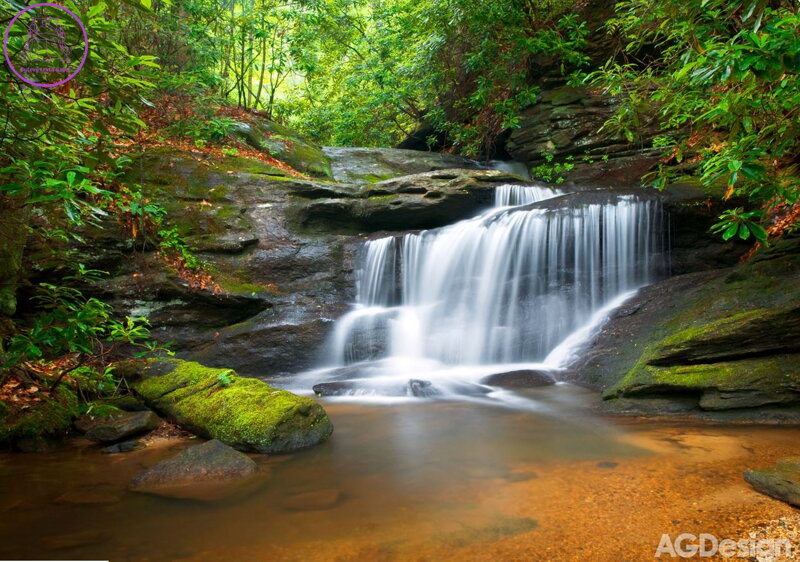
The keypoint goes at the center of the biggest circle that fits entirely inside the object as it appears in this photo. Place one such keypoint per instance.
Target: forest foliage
(718, 78)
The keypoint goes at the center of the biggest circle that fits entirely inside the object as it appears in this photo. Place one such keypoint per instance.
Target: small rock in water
(781, 481)
(337, 388)
(120, 426)
(524, 378)
(421, 389)
(207, 472)
(124, 447)
(315, 500)
(607, 464)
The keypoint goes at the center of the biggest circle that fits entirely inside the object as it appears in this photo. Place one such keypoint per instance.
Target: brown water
(427, 481)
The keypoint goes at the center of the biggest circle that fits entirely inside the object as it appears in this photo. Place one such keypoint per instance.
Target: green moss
(725, 309)
(373, 178)
(717, 328)
(237, 286)
(780, 372)
(381, 199)
(52, 417)
(244, 165)
(244, 413)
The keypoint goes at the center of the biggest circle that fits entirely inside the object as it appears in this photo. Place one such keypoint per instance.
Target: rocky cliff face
(709, 342)
(567, 122)
(279, 248)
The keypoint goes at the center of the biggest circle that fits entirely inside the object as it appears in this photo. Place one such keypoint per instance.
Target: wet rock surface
(520, 379)
(244, 413)
(210, 471)
(419, 201)
(715, 341)
(371, 165)
(119, 426)
(781, 481)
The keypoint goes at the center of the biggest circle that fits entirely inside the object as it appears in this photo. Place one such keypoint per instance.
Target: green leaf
(730, 232)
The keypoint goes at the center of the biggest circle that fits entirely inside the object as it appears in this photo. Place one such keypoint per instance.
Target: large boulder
(781, 481)
(718, 340)
(286, 145)
(522, 378)
(246, 414)
(210, 471)
(371, 165)
(419, 201)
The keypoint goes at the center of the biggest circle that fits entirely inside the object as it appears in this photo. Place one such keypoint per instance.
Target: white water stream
(517, 287)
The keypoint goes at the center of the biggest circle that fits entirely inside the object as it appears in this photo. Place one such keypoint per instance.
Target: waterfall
(505, 287)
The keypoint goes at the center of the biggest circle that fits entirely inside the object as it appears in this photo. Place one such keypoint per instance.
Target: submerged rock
(781, 481)
(314, 500)
(336, 388)
(422, 389)
(119, 426)
(91, 495)
(523, 378)
(246, 414)
(124, 447)
(211, 471)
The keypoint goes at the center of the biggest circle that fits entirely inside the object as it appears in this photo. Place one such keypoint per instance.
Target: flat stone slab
(781, 481)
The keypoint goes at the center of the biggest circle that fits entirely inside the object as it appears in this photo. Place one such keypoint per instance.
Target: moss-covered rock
(246, 414)
(49, 418)
(728, 339)
(286, 145)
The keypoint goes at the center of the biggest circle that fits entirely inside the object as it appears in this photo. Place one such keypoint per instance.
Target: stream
(454, 480)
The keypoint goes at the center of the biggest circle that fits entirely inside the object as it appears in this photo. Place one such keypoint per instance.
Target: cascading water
(514, 285)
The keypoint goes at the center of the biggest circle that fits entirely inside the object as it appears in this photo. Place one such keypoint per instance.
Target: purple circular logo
(45, 45)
